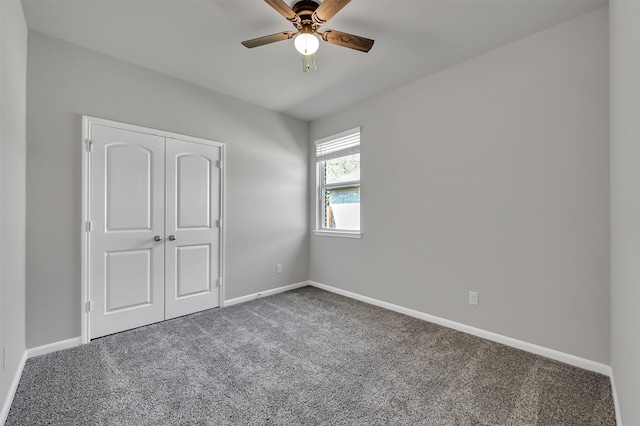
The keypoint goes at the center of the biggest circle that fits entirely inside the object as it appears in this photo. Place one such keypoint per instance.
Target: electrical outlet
(279, 268)
(473, 298)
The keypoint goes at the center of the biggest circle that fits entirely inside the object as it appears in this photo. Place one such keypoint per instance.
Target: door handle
(157, 238)
(172, 237)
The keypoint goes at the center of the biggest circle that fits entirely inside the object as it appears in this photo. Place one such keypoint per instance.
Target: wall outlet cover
(473, 298)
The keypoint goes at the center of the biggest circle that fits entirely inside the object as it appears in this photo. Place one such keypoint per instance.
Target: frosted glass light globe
(307, 44)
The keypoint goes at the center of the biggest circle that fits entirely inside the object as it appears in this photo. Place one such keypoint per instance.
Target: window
(338, 165)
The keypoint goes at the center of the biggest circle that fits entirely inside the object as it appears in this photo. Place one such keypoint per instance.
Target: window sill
(341, 234)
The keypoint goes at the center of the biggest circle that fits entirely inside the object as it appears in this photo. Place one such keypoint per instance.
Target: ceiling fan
(307, 16)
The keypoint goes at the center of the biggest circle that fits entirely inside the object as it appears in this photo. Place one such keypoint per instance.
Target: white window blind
(340, 145)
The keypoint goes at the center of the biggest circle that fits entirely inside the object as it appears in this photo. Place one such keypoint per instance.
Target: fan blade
(347, 40)
(261, 41)
(327, 10)
(283, 9)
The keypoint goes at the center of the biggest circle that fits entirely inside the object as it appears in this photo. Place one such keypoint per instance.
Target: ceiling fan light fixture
(307, 44)
(307, 16)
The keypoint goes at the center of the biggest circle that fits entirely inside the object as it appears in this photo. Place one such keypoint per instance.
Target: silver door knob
(157, 238)
(172, 237)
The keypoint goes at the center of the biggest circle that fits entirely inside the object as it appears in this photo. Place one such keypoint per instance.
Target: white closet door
(192, 266)
(127, 212)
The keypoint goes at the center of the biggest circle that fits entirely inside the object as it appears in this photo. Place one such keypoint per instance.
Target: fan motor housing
(304, 9)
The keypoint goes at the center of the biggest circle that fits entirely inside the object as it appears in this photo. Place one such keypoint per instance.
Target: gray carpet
(304, 357)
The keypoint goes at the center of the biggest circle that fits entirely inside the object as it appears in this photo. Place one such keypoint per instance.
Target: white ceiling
(199, 41)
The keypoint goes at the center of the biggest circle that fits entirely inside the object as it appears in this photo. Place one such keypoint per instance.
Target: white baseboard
(519, 344)
(614, 395)
(265, 293)
(6, 406)
(53, 347)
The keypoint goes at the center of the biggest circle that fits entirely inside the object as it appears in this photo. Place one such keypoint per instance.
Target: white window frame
(337, 152)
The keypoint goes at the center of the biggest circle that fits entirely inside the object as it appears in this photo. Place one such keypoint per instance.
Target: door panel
(193, 191)
(128, 174)
(127, 211)
(128, 279)
(192, 268)
(193, 265)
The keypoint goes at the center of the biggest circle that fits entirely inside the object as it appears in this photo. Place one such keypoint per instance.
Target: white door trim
(85, 232)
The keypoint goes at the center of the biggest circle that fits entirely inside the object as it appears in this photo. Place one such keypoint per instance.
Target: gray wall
(625, 205)
(13, 160)
(490, 176)
(266, 170)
